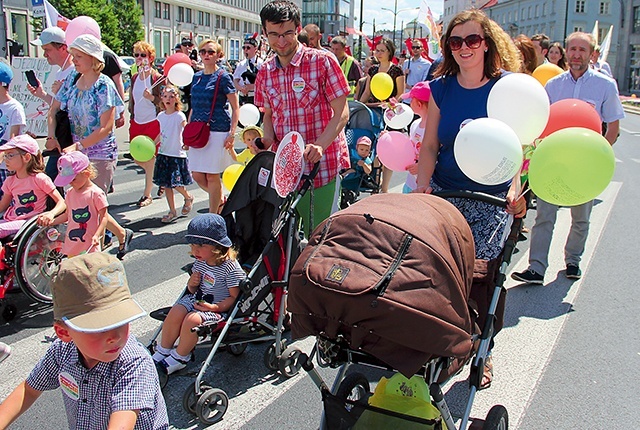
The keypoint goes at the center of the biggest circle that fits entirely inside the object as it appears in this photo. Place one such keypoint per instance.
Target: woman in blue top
(208, 163)
(476, 53)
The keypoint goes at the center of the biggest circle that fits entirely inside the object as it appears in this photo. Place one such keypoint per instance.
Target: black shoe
(126, 246)
(573, 271)
(528, 276)
(127, 155)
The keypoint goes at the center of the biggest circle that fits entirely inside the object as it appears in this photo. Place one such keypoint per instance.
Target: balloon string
(526, 190)
(158, 82)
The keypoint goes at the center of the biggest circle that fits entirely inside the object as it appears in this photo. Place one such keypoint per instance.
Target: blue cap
(6, 74)
(208, 229)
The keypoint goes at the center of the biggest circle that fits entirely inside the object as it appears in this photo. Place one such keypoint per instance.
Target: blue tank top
(458, 106)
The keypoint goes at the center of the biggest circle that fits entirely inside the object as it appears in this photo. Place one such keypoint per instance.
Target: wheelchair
(28, 259)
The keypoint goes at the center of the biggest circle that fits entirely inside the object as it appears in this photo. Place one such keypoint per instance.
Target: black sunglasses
(247, 47)
(143, 55)
(416, 47)
(205, 51)
(473, 41)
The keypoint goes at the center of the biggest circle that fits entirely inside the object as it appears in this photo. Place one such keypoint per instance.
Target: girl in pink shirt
(26, 191)
(86, 214)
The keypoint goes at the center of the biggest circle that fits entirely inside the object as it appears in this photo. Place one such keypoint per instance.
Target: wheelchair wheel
(354, 387)
(37, 256)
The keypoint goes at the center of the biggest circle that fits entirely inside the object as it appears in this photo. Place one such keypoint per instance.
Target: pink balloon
(81, 25)
(396, 151)
(174, 59)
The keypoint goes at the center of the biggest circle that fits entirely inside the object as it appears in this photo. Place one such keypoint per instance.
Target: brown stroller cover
(392, 275)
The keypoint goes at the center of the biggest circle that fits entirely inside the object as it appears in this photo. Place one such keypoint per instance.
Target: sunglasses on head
(138, 54)
(207, 51)
(473, 41)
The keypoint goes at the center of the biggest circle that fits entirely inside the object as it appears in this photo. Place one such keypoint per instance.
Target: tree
(130, 27)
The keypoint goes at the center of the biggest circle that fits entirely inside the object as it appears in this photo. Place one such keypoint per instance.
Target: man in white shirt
(415, 68)
(52, 41)
(244, 76)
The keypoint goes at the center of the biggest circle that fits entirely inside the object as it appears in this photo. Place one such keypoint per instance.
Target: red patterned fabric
(299, 97)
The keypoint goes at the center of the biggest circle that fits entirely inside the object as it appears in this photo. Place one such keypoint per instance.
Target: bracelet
(51, 138)
(79, 146)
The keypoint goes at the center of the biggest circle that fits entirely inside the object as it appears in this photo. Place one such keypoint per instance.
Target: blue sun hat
(208, 229)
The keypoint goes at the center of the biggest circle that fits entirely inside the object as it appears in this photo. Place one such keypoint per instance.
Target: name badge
(69, 385)
(298, 84)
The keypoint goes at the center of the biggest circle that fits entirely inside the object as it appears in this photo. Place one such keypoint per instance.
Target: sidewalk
(631, 104)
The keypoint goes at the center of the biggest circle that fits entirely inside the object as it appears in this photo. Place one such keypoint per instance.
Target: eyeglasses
(206, 51)
(416, 47)
(10, 155)
(138, 54)
(473, 41)
(287, 35)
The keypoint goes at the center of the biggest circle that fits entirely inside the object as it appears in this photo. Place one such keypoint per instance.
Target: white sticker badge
(298, 84)
(69, 386)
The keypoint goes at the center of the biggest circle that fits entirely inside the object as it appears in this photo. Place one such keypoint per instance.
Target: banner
(35, 109)
(605, 45)
(426, 18)
(53, 18)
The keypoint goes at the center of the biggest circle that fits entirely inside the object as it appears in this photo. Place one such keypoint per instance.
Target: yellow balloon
(244, 157)
(381, 86)
(546, 71)
(231, 174)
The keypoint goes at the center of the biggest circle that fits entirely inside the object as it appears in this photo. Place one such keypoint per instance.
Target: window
(232, 23)
(634, 76)
(223, 22)
(536, 11)
(180, 14)
(578, 28)
(246, 26)
(218, 21)
(166, 45)
(188, 17)
(237, 25)
(580, 6)
(157, 41)
(166, 11)
(200, 17)
(207, 19)
(234, 49)
(604, 8)
(157, 9)
(602, 32)
(529, 13)
(544, 9)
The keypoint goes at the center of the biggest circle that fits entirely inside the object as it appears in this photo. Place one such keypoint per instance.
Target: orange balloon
(546, 71)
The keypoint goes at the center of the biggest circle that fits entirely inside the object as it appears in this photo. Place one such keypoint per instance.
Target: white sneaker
(158, 356)
(5, 351)
(173, 365)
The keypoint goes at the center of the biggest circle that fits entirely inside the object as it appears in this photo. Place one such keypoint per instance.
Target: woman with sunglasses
(144, 106)
(476, 53)
(209, 86)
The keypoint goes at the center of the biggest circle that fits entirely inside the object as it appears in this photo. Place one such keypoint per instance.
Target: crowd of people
(300, 86)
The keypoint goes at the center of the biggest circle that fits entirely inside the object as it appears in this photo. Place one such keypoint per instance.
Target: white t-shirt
(62, 74)
(144, 111)
(11, 113)
(243, 66)
(171, 134)
(416, 133)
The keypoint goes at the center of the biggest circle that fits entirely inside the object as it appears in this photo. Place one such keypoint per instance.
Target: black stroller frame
(201, 398)
(349, 393)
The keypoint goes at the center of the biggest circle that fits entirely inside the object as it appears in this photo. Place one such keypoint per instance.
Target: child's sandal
(169, 218)
(188, 205)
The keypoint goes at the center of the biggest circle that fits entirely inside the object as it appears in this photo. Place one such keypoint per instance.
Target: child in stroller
(360, 164)
(213, 288)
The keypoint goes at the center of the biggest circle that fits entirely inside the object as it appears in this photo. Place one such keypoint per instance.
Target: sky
(407, 10)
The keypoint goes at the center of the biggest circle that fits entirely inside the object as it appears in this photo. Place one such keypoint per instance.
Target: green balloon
(142, 148)
(571, 166)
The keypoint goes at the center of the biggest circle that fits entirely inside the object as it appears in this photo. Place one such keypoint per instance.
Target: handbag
(196, 133)
(62, 131)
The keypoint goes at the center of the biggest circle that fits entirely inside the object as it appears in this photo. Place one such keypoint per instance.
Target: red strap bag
(196, 133)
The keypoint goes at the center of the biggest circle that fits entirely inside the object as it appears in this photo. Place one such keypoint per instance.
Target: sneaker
(528, 276)
(573, 271)
(172, 365)
(5, 351)
(158, 356)
(128, 156)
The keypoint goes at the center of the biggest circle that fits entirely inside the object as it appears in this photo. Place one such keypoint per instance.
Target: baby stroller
(362, 122)
(393, 293)
(263, 227)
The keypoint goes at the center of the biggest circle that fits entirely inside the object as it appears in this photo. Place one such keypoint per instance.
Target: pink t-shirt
(83, 219)
(28, 195)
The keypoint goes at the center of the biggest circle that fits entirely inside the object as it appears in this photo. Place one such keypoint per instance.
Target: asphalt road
(567, 357)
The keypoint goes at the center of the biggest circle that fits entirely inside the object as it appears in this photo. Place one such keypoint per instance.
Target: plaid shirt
(299, 96)
(91, 395)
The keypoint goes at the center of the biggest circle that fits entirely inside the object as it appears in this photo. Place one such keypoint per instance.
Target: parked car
(157, 64)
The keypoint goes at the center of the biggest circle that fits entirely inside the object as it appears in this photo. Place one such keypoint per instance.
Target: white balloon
(180, 74)
(248, 114)
(400, 118)
(488, 151)
(522, 103)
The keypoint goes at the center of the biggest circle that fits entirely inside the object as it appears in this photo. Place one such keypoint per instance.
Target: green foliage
(120, 20)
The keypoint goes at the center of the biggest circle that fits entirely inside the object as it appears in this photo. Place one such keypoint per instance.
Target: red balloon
(174, 59)
(572, 113)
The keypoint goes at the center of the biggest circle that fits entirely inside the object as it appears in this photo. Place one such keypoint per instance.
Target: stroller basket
(346, 414)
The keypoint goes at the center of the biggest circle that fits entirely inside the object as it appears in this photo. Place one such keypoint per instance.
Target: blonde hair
(97, 65)
(501, 52)
(216, 45)
(178, 98)
(91, 170)
(143, 46)
(221, 253)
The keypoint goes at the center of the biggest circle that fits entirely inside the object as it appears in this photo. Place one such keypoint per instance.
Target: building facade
(332, 16)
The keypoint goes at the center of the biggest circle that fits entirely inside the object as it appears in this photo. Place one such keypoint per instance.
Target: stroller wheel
(163, 376)
(212, 405)
(288, 362)
(354, 387)
(9, 312)
(190, 399)
(237, 349)
(497, 419)
(270, 356)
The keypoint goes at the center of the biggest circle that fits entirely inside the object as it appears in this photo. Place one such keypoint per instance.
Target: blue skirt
(171, 172)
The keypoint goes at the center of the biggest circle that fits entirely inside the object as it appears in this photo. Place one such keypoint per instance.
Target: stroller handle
(472, 195)
(308, 179)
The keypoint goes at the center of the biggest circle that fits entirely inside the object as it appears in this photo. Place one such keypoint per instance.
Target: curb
(631, 109)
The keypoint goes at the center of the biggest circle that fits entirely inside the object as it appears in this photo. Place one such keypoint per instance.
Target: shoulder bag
(62, 131)
(196, 133)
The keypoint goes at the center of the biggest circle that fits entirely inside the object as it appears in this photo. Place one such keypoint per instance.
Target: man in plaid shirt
(303, 89)
(107, 378)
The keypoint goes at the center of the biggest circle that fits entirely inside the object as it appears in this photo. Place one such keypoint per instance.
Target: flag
(605, 45)
(53, 18)
(594, 33)
(356, 32)
(489, 4)
(425, 17)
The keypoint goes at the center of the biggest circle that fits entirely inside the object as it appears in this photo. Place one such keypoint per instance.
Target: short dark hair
(339, 40)
(542, 39)
(279, 11)
(303, 37)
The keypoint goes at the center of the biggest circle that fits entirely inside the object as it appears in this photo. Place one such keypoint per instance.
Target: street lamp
(395, 13)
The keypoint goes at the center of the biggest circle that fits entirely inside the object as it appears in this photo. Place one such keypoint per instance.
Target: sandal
(170, 217)
(125, 247)
(188, 205)
(160, 192)
(487, 375)
(144, 201)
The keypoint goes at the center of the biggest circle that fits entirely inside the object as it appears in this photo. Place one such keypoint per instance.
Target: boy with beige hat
(107, 378)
